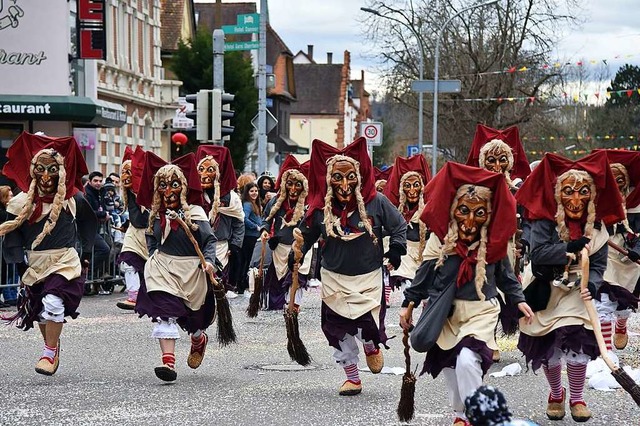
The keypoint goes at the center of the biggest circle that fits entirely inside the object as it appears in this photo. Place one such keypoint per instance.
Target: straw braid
(330, 221)
(477, 192)
(625, 191)
(215, 205)
(167, 172)
(579, 176)
(422, 228)
(493, 146)
(298, 212)
(124, 192)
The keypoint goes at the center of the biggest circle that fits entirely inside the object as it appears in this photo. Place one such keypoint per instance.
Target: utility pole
(218, 65)
(262, 89)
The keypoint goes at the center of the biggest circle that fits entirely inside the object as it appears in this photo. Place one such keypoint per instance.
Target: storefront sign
(91, 30)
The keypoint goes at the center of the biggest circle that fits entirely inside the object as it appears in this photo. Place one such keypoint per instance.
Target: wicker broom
(406, 406)
(618, 373)
(295, 346)
(254, 301)
(226, 333)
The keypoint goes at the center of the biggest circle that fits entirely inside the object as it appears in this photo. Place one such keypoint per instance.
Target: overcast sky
(610, 30)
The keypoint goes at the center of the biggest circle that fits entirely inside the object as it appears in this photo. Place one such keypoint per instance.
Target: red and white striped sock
(370, 349)
(607, 331)
(387, 293)
(577, 374)
(352, 373)
(169, 359)
(49, 352)
(197, 342)
(554, 377)
(621, 326)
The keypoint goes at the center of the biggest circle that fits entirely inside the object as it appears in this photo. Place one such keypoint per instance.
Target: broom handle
(591, 310)
(203, 261)
(405, 338)
(620, 249)
(262, 253)
(297, 255)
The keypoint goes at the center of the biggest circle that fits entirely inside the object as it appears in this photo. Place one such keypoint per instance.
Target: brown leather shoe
(196, 355)
(127, 305)
(580, 412)
(620, 340)
(166, 373)
(556, 407)
(375, 362)
(496, 356)
(350, 388)
(46, 367)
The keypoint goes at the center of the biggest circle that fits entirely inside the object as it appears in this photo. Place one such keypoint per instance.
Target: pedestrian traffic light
(200, 114)
(221, 115)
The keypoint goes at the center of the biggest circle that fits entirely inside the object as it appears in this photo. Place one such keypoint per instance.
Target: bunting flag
(576, 152)
(572, 97)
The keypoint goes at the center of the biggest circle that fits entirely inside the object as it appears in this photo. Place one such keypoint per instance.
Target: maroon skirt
(437, 358)
(275, 290)
(133, 259)
(335, 327)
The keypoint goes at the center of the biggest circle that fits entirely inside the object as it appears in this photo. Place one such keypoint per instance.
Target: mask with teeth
(207, 169)
(621, 176)
(125, 175)
(412, 188)
(294, 187)
(575, 194)
(470, 214)
(344, 180)
(170, 191)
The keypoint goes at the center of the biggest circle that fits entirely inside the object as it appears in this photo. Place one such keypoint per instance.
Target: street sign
(240, 29)
(248, 19)
(272, 122)
(241, 45)
(412, 150)
(269, 102)
(444, 86)
(372, 132)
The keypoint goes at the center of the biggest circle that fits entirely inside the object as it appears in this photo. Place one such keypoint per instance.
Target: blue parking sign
(412, 150)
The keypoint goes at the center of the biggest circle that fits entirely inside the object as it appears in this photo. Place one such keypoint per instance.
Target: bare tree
(485, 48)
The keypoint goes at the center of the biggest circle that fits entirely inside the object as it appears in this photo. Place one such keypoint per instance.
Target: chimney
(329, 58)
(310, 51)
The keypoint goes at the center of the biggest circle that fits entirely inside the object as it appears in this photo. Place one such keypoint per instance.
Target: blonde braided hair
(450, 240)
(422, 227)
(166, 172)
(124, 192)
(625, 191)
(56, 205)
(282, 195)
(579, 176)
(330, 221)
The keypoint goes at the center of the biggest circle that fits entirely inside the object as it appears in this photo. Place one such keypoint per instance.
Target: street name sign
(240, 29)
(241, 45)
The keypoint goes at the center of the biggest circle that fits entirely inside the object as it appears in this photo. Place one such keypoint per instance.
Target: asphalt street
(106, 378)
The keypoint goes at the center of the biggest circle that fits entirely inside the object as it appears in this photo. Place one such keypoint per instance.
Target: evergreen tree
(193, 65)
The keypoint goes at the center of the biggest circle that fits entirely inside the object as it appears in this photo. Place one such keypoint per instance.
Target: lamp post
(434, 165)
(420, 70)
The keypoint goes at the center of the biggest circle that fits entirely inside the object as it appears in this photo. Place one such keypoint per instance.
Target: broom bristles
(226, 333)
(297, 351)
(256, 299)
(406, 406)
(627, 383)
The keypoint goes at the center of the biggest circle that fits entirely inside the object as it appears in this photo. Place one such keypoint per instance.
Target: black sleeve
(422, 283)
(13, 245)
(207, 241)
(312, 232)
(597, 266)
(152, 241)
(266, 224)
(507, 282)
(544, 250)
(87, 223)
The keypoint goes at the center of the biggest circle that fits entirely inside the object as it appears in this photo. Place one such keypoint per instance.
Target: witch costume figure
(282, 214)
(406, 190)
(622, 273)
(569, 204)
(134, 252)
(224, 207)
(351, 216)
(464, 265)
(46, 220)
(175, 292)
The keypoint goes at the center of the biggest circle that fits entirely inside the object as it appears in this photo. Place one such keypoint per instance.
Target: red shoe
(461, 422)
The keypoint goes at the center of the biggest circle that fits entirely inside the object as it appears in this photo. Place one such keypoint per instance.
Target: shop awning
(76, 109)
(285, 144)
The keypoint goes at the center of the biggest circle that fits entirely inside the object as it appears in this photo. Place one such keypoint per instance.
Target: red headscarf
(290, 162)
(186, 163)
(402, 165)
(320, 153)
(382, 174)
(631, 161)
(537, 193)
(137, 167)
(441, 192)
(27, 145)
(222, 155)
(510, 136)
(128, 154)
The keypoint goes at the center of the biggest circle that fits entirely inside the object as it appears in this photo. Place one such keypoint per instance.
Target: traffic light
(221, 115)
(200, 114)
